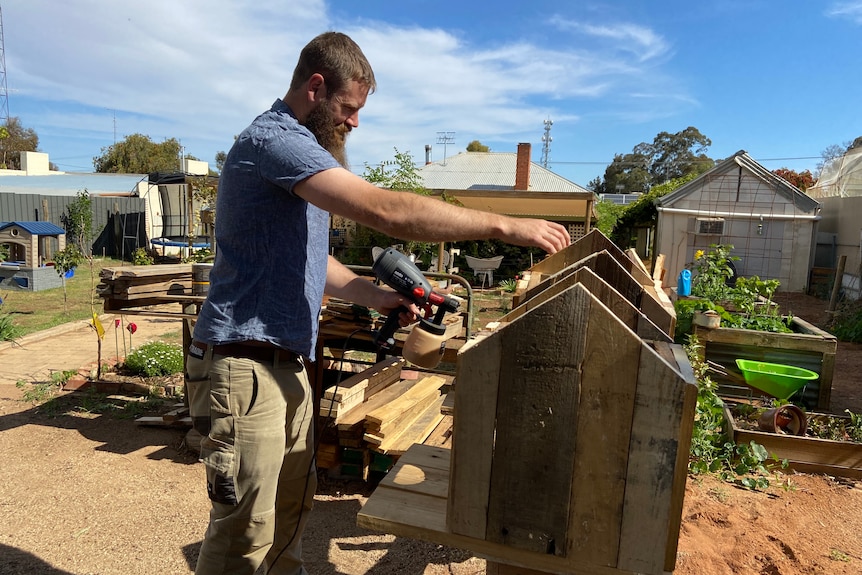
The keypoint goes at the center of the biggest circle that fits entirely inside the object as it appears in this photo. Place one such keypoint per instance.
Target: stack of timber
(137, 286)
(571, 430)
(375, 415)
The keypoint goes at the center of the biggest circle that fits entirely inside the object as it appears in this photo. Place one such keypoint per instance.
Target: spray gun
(426, 342)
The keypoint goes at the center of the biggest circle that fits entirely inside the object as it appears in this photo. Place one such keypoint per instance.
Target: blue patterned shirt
(269, 273)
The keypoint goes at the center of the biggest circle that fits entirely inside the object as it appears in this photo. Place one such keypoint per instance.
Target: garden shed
(770, 223)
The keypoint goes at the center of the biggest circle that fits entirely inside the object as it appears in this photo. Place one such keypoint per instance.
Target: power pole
(546, 143)
(4, 90)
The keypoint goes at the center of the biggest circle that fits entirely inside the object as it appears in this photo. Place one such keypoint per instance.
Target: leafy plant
(847, 322)
(750, 298)
(140, 257)
(509, 285)
(78, 220)
(155, 358)
(712, 272)
(8, 330)
(712, 451)
(67, 259)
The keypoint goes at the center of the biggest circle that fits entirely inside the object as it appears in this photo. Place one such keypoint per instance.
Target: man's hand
(549, 236)
(389, 301)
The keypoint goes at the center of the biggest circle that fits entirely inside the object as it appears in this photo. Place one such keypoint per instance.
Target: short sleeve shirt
(272, 246)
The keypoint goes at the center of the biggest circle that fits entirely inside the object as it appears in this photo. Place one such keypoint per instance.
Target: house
(511, 184)
(770, 223)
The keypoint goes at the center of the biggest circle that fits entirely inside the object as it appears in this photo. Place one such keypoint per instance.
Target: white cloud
(200, 70)
(850, 10)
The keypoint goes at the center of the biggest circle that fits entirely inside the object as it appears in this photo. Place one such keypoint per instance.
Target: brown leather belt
(256, 351)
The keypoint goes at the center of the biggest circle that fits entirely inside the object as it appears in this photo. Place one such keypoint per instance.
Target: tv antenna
(445, 138)
(546, 143)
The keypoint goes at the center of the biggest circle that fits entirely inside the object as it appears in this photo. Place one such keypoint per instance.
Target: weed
(37, 392)
(838, 555)
(8, 331)
(719, 495)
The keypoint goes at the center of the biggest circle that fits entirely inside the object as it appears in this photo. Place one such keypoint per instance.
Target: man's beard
(321, 123)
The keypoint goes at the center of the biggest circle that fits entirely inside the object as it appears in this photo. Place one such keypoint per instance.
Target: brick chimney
(522, 167)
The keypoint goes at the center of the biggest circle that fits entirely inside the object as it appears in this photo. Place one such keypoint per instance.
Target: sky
(780, 80)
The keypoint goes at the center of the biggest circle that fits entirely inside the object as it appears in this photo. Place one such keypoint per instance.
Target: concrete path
(35, 357)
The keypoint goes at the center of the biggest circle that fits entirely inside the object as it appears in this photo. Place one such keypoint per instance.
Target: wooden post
(836, 286)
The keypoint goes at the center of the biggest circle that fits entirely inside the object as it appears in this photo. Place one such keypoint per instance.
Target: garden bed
(808, 347)
(806, 453)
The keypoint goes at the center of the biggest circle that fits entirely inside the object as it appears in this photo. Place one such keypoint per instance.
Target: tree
(78, 220)
(67, 259)
(138, 154)
(668, 157)
(678, 155)
(220, 159)
(643, 212)
(627, 174)
(477, 146)
(835, 151)
(802, 180)
(14, 139)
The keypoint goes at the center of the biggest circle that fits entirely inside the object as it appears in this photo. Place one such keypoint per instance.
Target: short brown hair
(338, 59)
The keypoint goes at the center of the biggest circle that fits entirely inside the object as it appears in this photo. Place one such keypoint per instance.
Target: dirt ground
(88, 494)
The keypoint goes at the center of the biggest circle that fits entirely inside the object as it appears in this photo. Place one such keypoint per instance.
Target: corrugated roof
(35, 228)
(70, 184)
(489, 171)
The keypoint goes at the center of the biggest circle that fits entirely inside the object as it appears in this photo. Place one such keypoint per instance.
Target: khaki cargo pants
(258, 454)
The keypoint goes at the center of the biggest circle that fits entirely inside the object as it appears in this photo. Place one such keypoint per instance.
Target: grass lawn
(31, 311)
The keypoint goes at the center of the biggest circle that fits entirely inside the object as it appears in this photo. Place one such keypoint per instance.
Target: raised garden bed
(806, 453)
(808, 347)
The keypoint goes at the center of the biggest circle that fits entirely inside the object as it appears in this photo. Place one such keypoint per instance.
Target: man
(282, 178)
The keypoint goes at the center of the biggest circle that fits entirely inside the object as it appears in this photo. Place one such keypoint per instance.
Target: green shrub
(847, 323)
(155, 358)
(8, 331)
(140, 257)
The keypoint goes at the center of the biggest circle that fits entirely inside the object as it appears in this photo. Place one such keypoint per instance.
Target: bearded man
(282, 178)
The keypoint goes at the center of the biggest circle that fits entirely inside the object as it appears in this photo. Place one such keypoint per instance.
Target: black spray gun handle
(384, 338)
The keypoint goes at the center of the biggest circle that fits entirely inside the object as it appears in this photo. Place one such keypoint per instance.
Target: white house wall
(843, 217)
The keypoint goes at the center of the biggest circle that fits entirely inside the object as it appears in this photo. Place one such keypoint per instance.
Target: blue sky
(781, 80)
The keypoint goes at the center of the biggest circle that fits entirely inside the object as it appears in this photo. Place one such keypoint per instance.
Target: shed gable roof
(741, 160)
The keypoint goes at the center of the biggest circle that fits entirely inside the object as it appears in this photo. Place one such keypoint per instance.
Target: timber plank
(474, 419)
(416, 432)
(356, 416)
(392, 416)
(608, 390)
(652, 461)
(537, 407)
